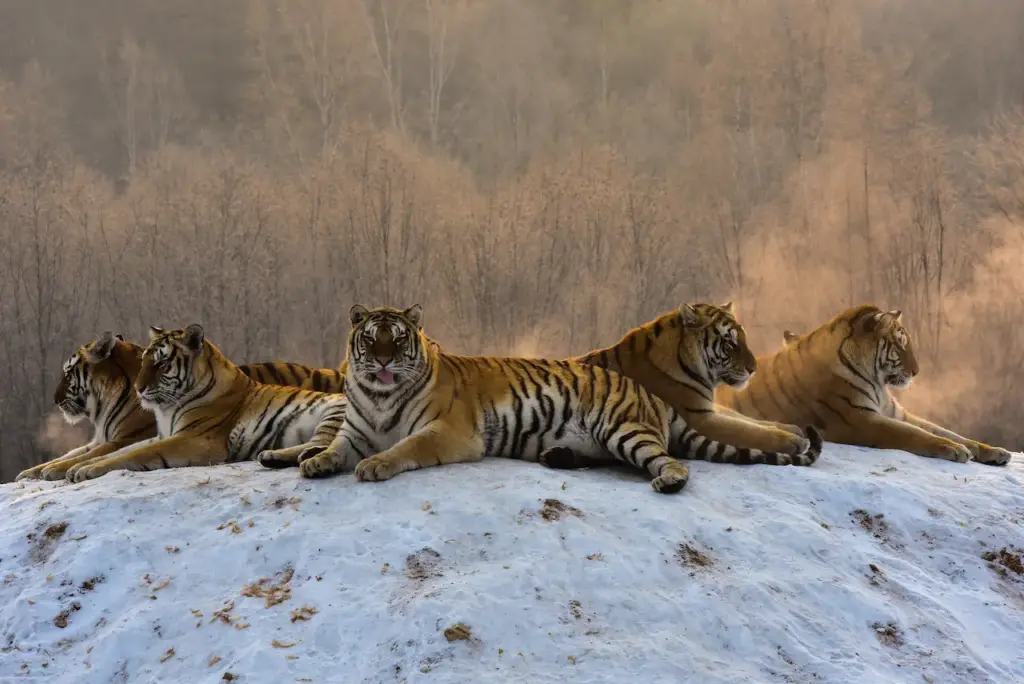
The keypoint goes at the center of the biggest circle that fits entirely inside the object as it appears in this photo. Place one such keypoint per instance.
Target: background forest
(541, 175)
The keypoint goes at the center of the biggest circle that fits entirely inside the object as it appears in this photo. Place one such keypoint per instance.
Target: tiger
(682, 356)
(413, 406)
(96, 385)
(837, 378)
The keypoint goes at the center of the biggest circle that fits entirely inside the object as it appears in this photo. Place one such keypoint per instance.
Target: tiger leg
(880, 432)
(740, 432)
(434, 445)
(173, 452)
(65, 460)
(982, 453)
(724, 410)
(59, 471)
(645, 448)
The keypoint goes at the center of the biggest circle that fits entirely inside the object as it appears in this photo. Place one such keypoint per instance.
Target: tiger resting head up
(387, 347)
(713, 336)
(95, 375)
(171, 366)
(876, 342)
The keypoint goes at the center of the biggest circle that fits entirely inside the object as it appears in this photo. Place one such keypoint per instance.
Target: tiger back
(412, 406)
(208, 411)
(682, 356)
(837, 377)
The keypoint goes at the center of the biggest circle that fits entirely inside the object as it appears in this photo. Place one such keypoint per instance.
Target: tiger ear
(897, 315)
(194, 337)
(689, 316)
(102, 348)
(789, 337)
(119, 336)
(155, 332)
(415, 315)
(727, 308)
(357, 314)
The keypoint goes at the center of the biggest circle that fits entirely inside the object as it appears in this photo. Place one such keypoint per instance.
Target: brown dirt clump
(1005, 560)
(888, 635)
(553, 509)
(691, 557)
(273, 591)
(423, 564)
(458, 632)
(61, 620)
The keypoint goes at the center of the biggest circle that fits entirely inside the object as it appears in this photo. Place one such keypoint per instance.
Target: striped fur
(837, 378)
(682, 356)
(208, 411)
(96, 385)
(413, 406)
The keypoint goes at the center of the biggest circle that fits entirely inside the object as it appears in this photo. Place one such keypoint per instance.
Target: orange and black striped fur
(413, 406)
(208, 411)
(837, 378)
(682, 356)
(96, 385)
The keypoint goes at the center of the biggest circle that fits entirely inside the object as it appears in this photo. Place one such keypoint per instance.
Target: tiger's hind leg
(645, 448)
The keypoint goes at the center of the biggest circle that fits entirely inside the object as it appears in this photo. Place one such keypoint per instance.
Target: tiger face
(84, 377)
(894, 359)
(722, 343)
(386, 346)
(167, 374)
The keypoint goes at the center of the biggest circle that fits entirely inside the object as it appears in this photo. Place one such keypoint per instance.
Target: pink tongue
(387, 377)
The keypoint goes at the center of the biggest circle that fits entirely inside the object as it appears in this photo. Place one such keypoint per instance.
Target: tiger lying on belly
(838, 376)
(413, 406)
(96, 385)
(682, 356)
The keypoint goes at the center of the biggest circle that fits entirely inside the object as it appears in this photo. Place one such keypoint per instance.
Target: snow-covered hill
(867, 567)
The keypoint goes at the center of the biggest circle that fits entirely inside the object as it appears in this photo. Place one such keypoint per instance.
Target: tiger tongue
(386, 376)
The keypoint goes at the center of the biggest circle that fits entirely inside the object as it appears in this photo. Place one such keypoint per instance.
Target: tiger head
(720, 341)
(387, 346)
(884, 345)
(168, 363)
(95, 375)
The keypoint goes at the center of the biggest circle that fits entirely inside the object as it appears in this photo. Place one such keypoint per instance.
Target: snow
(750, 574)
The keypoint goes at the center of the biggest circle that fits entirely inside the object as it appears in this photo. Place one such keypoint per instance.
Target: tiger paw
(31, 474)
(318, 466)
(992, 455)
(672, 479)
(53, 473)
(791, 429)
(559, 458)
(311, 452)
(84, 471)
(271, 459)
(375, 469)
(951, 451)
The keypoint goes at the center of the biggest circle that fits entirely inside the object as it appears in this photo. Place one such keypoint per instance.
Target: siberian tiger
(208, 411)
(413, 406)
(682, 356)
(96, 385)
(837, 378)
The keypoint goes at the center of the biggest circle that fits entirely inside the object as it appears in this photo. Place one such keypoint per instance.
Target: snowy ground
(866, 567)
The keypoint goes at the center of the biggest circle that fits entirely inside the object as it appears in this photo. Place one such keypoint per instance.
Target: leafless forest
(541, 175)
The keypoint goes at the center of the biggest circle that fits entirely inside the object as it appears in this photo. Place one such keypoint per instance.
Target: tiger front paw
(992, 455)
(791, 429)
(31, 474)
(951, 451)
(53, 473)
(318, 465)
(85, 471)
(375, 469)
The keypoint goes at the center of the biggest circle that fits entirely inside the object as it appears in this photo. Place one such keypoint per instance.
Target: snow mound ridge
(870, 566)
